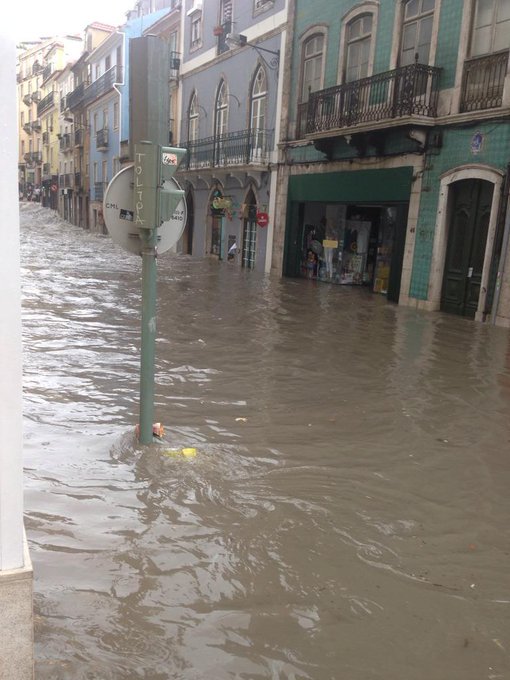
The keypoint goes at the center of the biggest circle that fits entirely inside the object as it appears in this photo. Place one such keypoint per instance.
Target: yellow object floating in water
(176, 453)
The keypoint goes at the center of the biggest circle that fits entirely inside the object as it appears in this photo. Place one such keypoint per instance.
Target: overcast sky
(32, 19)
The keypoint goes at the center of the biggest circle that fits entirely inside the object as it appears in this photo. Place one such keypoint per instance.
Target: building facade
(233, 54)
(395, 151)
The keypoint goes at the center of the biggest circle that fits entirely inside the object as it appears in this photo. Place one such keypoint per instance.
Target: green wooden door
(465, 251)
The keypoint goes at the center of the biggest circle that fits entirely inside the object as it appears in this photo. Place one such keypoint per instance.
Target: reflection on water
(346, 515)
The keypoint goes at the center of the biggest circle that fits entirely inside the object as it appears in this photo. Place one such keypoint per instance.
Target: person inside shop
(311, 264)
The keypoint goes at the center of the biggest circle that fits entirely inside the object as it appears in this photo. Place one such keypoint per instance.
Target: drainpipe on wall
(504, 249)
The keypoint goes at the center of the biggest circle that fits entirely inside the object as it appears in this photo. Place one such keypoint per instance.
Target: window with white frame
(311, 71)
(358, 38)
(221, 110)
(417, 25)
(262, 5)
(491, 27)
(193, 119)
(196, 29)
(258, 110)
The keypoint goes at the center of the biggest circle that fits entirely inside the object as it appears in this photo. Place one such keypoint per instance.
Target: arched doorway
(249, 246)
(471, 202)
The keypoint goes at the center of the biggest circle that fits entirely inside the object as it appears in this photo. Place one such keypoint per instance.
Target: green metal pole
(149, 278)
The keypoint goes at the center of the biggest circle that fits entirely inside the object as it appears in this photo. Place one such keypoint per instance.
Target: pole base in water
(157, 430)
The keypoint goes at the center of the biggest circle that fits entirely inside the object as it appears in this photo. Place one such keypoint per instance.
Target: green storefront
(349, 227)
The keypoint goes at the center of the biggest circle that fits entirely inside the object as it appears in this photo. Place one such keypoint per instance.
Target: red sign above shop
(262, 219)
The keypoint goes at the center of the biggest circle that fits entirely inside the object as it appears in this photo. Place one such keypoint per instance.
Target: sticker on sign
(169, 159)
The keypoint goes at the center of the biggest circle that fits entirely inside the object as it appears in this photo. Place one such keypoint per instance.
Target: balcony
(36, 96)
(222, 37)
(19, 77)
(27, 127)
(65, 142)
(46, 138)
(33, 157)
(36, 125)
(27, 99)
(403, 92)
(79, 137)
(245, 147)
(45, 104)
(102, 85)
(75, 98)
(483, 81)
(47, 71)
(175, 64)
(102, 139)
(99, 189)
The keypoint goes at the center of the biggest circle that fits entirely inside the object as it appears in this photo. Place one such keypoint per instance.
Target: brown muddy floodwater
(346, 517)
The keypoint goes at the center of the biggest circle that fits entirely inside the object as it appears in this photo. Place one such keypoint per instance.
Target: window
(95, 172)
(104, 171)
(312, 66)
(417, 32)
(491, 27)
(98, 71)
(196, 30)
(95, 122)
(221, 110)
(105, 119)
(258, 112)
(358, 38)
(193, 119)
(262, 5)
(220, 121)
(107, 63)
(115, 115)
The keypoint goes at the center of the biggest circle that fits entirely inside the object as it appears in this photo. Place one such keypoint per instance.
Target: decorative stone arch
(368, 7)
(472, 171)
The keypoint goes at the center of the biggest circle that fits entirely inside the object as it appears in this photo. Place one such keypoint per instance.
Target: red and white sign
(262, 219)
(54, 187)
(169, 159)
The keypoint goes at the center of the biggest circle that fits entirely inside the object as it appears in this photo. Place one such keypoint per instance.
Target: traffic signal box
(154, 202)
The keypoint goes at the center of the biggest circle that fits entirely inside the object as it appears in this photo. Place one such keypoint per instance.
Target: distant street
(346, 516)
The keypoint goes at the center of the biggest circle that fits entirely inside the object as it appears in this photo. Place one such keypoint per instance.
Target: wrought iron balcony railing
(102, 85)
(33, 157)
(47, 71)
(233, 148)
(99, 189)
(36, 125)
(65, 142)
(79, 136)
(483, 81)
(36, 96)
(406, 91)
(102, 139)
(175, 63)
(75, 98)
(27, 127)
(45, 104)
(27, 99)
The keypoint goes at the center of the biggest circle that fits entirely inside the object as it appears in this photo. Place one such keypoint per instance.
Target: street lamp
(240, 40)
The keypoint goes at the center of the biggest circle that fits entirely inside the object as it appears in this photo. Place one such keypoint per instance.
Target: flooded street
(346, 516)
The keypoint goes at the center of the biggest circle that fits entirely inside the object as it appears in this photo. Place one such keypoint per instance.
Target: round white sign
(118, 212)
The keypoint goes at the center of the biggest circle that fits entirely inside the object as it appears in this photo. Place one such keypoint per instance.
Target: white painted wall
(11, 469)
